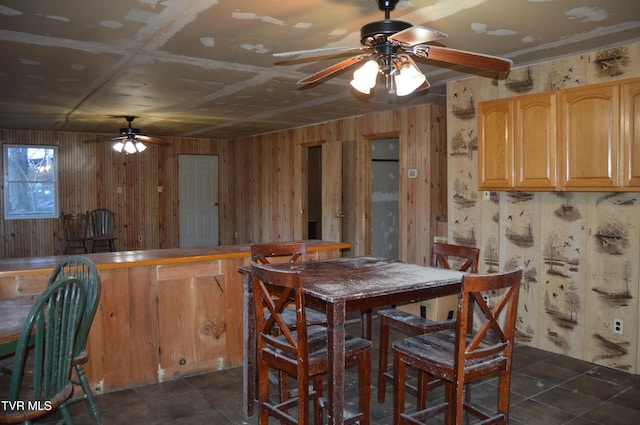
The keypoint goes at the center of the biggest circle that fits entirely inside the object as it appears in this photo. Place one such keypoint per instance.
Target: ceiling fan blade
(333, 69)
(152, 140)
(461, 57)
(105, 139)
(319, 50)
(416, 35)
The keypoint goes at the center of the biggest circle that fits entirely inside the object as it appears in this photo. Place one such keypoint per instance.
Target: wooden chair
(471, 350)
(290, 252)
(83, 269)
(443, 255)
(74, 233)
(49, 332)
(300, 352)
(102, 229)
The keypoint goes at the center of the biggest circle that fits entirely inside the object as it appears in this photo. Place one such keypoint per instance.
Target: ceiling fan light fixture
(408, 78)
(129, 147)
(141, 146)
(364, 78)
(118, 146)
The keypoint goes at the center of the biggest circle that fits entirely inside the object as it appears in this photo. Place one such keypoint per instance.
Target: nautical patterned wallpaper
(580, 251)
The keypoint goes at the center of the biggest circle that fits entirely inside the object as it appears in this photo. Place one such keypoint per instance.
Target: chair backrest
(83, 269)
(50, 330)
(74, 226)
(493, 333)
(290, 252)
(102, 223)
(273, 291)
(443, 255)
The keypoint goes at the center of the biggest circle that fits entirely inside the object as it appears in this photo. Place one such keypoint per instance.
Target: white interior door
(198, 200)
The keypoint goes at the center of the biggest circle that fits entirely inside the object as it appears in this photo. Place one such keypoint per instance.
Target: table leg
(366, 324)
(336, 334)
(249, 346)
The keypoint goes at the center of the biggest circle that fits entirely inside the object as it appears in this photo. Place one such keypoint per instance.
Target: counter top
(125, 259)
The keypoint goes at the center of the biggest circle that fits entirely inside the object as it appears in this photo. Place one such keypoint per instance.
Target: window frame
(6, 147)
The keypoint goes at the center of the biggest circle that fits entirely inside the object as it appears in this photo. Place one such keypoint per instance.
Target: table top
(13, 313)
(352, 278)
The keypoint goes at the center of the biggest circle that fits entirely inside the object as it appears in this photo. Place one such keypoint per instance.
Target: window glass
(30, 182)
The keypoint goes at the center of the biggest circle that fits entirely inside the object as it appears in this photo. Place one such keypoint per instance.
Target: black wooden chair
(102, 229)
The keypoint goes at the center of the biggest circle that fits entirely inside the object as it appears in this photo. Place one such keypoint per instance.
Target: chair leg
(263, 391)
(399, 371)
(456, 403)
(66, 416)
(423, 390)
(84, 383)
(317, 409)
(383, 363)
(364, 390)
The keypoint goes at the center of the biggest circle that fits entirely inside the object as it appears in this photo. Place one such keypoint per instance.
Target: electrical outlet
(139, 238)
(486, 195)
(617, 326)
(485, 297)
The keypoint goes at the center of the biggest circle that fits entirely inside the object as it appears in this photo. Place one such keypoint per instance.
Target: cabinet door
(535, 142)
(631, 137)
(495, 145)
(589, 134)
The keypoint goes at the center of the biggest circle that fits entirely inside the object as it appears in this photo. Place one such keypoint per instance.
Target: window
(30, 182)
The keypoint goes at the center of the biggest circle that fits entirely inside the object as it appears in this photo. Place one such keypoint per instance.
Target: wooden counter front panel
(158, 322)
(192, 317)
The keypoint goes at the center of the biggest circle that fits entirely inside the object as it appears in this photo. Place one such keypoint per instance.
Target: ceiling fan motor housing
(129, 130)
(382, 28)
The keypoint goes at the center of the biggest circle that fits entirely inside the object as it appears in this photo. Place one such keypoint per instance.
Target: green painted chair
(83, 269)
(48, 337)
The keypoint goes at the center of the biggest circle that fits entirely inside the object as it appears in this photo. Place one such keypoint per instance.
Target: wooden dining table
(338, 286)
(13, 313)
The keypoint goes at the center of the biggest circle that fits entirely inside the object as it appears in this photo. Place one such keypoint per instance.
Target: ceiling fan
(130, 140)
(387, 46)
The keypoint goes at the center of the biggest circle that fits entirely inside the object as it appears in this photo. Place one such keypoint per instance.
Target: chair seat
(412, 321)
(313, 317)
(438, 349)
(317, 346)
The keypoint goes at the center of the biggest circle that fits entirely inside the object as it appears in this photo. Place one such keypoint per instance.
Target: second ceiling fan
(387, 47)
(130, 140)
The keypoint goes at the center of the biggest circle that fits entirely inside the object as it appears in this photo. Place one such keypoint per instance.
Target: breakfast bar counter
(163, 314)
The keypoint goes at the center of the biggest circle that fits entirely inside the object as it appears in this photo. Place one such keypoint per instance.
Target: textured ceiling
(205, 68)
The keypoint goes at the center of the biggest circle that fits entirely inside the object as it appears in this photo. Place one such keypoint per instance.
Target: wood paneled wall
(267, 179)
(92, 175)
(261, 184)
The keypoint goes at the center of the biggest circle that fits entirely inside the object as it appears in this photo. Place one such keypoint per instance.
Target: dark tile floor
(547, 389)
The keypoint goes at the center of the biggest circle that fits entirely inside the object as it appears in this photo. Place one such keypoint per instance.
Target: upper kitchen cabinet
(589, 123)
(578, 139)
(631, 134)
(517, 143)
(495, 144)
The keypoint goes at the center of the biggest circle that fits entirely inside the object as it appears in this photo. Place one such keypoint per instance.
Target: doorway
(198, 200)
(314, 192)
(321, 205)
(385, 196)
